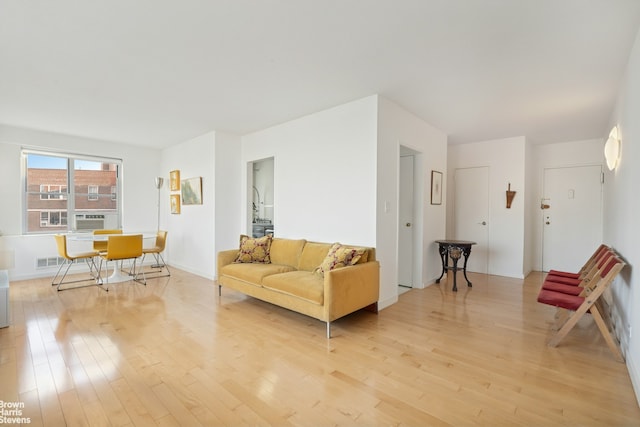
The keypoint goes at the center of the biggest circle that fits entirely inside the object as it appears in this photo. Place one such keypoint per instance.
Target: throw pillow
(254, 249)
(339, 256)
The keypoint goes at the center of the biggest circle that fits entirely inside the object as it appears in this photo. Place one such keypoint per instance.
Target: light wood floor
(174, 353)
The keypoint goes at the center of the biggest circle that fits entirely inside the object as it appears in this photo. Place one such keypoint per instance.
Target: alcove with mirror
(261, 200)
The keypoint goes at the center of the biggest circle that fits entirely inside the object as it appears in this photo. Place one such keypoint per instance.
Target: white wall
(529, 211)
(506, 161)
(568, 154)
(621, 213)
(398, 127)
(140, 166)
(191, 237)
(324, 174)
(334, 171)
(228, 192)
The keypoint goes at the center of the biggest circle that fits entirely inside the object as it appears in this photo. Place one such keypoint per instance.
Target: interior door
(472, 214)
(405, 222)
(571, 215)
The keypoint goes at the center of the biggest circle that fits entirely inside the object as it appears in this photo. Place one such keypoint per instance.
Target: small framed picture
(174, 180)
(436, 188)
(192, 191)
(175, 204)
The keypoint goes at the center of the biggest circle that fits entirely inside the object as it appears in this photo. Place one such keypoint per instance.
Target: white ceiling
(159, 72)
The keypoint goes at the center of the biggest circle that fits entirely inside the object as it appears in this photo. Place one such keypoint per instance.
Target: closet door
(472, 214)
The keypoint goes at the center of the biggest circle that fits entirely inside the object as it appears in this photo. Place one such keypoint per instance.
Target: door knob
(408, 224)
(547, 223)
(483, 223)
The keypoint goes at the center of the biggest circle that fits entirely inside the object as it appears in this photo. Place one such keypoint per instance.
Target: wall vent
(49, 262)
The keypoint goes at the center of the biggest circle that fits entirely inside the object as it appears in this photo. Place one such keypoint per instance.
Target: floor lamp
(159, 180)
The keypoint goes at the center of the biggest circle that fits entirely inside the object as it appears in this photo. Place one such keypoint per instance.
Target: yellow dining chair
(120, 248)
(101, 245)
(69, 259)
(156, 251)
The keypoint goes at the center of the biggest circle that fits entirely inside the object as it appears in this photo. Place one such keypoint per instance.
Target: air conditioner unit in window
(89, 222)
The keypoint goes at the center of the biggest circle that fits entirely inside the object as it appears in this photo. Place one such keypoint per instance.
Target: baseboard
(206, 275)
(386, 303)
(634, 374)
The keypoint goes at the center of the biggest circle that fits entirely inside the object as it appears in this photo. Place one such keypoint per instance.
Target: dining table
(117, 275)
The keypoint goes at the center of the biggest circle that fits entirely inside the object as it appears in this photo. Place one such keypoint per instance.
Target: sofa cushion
(253, 272)
(286, 251)
(339, 256)
(312, 255)
(302, 284)
(254, 249)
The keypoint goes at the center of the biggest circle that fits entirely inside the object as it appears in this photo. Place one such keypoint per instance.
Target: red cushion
(564, 274)
(563, 280)
(561, 287)
(558, 299)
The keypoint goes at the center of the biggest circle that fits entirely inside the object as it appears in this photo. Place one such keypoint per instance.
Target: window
(51, 192)
(93, 191)
(53, 218)
(61, 190)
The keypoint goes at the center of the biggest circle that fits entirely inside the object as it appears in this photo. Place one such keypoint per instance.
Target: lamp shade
(612, 149)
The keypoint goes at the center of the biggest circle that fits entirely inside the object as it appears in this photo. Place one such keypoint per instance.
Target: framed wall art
(175, 204)
(192, 191)
(174, 180)
(436, 188)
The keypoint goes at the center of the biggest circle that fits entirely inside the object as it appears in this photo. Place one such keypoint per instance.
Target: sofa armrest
(225, 258)
(351, 288)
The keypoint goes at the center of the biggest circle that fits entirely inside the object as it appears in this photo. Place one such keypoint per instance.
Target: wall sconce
(612, 148)
(510, 196)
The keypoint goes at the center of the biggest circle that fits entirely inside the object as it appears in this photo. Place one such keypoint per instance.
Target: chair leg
(136, 274)
(604, 330)
(160, 263)
(568, 325)
(159, 258)
(328, 330)
(68, 263)
(561, 317)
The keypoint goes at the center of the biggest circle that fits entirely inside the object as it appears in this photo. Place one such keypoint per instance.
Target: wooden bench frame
(592, 301)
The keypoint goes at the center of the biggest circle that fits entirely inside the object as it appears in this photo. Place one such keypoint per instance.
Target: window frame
(66, 193)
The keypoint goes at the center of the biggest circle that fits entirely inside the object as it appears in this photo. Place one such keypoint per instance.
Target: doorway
(410, 211)
(261, 197)
(571, 216)
(471, 207)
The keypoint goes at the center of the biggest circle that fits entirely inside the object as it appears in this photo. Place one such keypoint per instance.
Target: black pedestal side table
(454, 249)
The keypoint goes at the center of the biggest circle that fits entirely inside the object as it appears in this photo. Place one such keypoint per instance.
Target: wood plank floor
(174, 353)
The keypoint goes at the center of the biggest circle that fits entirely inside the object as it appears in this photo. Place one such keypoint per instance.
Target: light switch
(572, 194)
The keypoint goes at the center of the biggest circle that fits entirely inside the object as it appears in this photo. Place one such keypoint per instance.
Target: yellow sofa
(289, 280)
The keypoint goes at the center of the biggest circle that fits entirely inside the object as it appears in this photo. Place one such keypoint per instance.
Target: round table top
(455, 242)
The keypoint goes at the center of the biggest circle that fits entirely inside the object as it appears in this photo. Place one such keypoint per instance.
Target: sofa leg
(328, 330)
(219, 290)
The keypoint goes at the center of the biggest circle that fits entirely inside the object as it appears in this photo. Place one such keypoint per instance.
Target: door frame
(418, 214)
(539, 222)
(487, 266)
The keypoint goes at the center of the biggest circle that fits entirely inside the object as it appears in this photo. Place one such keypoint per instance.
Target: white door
(572, 218)
(472, 214)
(405, 222)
